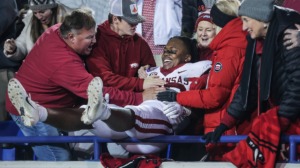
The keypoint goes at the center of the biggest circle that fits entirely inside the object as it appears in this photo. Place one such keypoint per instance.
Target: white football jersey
(178, 78)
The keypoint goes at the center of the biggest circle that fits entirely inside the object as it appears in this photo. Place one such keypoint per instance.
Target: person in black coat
(275, 75)
(9, 11)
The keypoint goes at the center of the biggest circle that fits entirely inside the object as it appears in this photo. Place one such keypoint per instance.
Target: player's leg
(27, 109)
(144, 148)
(121, 119)
(101, 129)
(118, 119)
(150, 120)
(67, 119)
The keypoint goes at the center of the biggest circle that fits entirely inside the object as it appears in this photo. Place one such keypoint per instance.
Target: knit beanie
(261, 10)
(203, 17)
(42, 4)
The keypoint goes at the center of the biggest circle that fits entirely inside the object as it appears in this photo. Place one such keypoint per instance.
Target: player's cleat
(23, 103)
(96, 107)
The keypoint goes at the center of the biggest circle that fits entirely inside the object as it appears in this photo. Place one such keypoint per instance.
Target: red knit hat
(203, 17)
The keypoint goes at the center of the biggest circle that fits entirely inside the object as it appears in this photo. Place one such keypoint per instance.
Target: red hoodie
(227, 63)
(116, 59)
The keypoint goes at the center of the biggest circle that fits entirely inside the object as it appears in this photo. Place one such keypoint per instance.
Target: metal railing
(291, 139)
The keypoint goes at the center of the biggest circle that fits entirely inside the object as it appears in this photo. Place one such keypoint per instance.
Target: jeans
(53, 152)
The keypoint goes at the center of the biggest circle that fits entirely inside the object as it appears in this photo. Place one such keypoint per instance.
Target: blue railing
(292, 140)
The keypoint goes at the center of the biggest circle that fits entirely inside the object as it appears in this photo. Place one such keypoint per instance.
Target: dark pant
(5, 76)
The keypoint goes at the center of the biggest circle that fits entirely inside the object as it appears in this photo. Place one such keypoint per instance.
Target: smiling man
(120, 51)
(55, 76)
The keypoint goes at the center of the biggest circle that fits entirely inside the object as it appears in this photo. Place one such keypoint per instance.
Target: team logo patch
(151, 69)
(153, 73)
(179, 72)
(134, 65)
(218, 67)
(133, 9)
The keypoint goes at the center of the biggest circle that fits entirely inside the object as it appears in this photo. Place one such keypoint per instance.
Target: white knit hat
(42, 4)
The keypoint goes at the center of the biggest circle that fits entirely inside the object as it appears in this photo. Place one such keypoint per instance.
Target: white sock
(105, 112)
(43, 113)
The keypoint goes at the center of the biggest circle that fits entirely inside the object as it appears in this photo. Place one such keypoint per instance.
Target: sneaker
(96, 107)
(23, 103)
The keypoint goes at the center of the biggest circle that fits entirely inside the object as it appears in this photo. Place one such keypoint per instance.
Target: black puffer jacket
(7, 31)
(279, 75)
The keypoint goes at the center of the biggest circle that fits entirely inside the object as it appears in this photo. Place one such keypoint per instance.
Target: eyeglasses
(166, 51)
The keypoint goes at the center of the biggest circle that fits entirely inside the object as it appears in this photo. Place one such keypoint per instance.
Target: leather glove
(214, 137)
(174, 110)
(168, 95)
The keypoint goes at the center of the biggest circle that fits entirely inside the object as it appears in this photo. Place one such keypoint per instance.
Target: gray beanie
(42, 4)
(261, 10)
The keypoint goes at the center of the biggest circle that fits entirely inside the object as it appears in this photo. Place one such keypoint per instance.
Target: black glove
(168, 95)
(214, 137)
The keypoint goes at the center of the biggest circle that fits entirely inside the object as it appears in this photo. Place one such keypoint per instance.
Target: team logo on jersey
(134, 65)
(153, 73)
(179, 72)
(218, 67)
(151, 69)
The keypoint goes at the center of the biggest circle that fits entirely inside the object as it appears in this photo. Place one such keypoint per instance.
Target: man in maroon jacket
(120, 52)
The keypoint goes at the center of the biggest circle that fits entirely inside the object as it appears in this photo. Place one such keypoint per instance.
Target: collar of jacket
(105, 28)
(245, 80)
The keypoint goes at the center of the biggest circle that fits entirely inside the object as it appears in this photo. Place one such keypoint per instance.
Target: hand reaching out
(174, 110)
(10, 46)
(168, 95)
(151, 93)
(142, 72)
(153, 81)
(214, 137)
